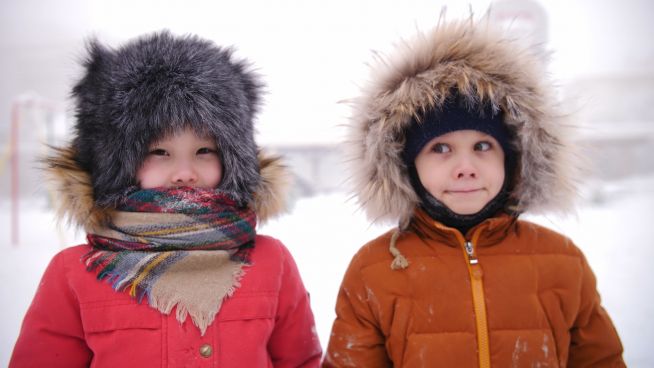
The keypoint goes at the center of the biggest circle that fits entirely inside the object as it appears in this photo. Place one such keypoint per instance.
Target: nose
(184, 175)
(465, 168)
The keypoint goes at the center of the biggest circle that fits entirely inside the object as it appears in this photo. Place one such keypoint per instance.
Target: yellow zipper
(478, 299)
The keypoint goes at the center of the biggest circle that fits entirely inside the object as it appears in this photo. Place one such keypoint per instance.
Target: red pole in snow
(15, 182)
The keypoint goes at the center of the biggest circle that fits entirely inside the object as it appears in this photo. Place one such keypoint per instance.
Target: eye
(483, 146)
(205, 151)
(441, 148)
(159, 152)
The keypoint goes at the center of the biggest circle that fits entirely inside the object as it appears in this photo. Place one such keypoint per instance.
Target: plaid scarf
(182, 247)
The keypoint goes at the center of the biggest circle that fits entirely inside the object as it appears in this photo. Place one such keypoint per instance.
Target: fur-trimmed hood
(75, 203)
(484, 67)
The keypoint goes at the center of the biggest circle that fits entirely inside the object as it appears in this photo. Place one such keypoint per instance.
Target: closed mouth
(464, 191)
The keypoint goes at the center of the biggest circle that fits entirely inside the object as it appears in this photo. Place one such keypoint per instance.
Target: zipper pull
(476, 271)
(471, 253)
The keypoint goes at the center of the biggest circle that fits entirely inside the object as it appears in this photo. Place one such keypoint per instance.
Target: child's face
(183, 159)
(463, 169)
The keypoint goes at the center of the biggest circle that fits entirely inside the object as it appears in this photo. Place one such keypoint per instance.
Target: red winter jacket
(78, 321)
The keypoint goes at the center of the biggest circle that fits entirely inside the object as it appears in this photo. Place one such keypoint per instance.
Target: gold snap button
(206, 350)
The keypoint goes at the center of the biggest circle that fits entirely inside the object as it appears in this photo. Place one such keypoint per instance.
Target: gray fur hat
(156, 85)
(486, 69)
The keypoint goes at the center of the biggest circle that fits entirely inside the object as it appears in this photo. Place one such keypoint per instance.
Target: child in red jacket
(164, 175)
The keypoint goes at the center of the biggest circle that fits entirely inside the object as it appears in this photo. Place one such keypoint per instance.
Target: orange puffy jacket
(509, 294)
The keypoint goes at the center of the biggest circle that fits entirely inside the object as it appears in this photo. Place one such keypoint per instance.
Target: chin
(465, 210)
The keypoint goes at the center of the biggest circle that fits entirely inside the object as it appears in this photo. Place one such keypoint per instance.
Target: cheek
(431, 176)
(495, 172)
(213, 173)
(149, 175)
(217, 176)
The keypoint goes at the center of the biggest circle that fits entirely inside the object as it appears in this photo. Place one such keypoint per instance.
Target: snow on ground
(323, 233)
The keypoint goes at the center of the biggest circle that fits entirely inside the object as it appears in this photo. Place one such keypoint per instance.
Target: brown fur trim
(484, 66)
(270, 198)
(74, 193)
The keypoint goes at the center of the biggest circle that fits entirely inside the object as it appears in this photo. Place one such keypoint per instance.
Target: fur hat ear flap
(270, 198)
(156, 85)
(71, 183)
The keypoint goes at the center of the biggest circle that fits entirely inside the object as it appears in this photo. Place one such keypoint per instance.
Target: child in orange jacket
(455, 137)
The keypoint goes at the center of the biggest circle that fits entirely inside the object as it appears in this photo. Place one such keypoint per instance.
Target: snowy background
(323, 232)
(312, 54)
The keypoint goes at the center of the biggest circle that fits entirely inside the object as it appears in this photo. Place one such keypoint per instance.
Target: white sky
(311, 53)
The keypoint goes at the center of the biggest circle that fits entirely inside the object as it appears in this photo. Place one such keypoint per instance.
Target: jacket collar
(487, 233)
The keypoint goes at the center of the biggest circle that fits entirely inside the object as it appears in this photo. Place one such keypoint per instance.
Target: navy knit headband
(455, 115)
